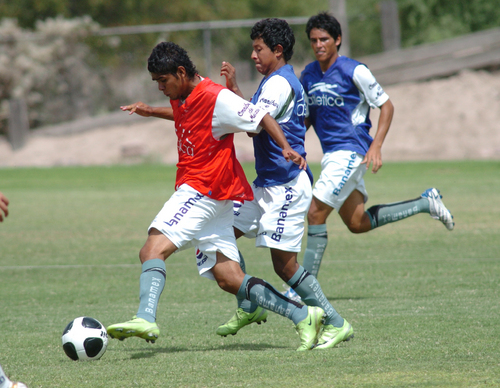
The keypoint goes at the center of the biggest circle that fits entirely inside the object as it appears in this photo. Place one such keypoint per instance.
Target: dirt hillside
(444, 119)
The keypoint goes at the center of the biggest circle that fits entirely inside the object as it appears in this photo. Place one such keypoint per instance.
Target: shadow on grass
(334, 298)
(151, 352)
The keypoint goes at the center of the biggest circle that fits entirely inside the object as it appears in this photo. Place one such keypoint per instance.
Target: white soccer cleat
(437, 209)
(18, 385)
(291, 294)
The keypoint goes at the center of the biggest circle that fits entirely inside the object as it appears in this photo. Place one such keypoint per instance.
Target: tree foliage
(421, 21)
(66, 72)
(136, 12)
(426, 21)
(50, 69)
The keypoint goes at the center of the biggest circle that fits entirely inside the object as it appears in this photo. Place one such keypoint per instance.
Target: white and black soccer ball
(85, 339)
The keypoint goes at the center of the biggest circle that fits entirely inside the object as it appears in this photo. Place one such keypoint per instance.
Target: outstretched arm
(145, 110)
(274, 130)
(227, 70)
(4, 203)
(374, 154)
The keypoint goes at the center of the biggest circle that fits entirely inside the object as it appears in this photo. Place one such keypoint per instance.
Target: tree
(50, 70)
(425, 21)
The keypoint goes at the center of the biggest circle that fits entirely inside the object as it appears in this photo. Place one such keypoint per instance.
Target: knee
(285, 270)
(359, 226)
(223, 284)
(228, 285)
(315, 218)
(142, 255)
(280, 271)
(145, 254)
(318, 213)
(355, 228)
(311, 219)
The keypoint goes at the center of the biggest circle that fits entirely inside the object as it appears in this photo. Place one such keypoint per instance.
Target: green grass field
(424, 302)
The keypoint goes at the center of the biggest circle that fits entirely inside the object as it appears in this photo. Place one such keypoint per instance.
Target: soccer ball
(84, 339)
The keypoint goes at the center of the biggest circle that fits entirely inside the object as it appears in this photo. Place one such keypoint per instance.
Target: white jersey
(232, 114)
(370, 96)
(274, 98)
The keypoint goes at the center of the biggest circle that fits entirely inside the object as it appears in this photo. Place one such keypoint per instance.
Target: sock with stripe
(243, 303)
(317, 238)
(266, 296)
(309, 290)
(385, 214)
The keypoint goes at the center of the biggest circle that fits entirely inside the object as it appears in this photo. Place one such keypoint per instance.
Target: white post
(338, 9)
(391, 34)
(18, 123)
(207, 48)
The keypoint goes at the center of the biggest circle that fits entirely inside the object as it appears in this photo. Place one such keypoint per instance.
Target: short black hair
(166, 58)
(327, 22)
(275, 32)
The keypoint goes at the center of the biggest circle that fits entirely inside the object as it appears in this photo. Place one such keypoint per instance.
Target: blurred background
(77, 61)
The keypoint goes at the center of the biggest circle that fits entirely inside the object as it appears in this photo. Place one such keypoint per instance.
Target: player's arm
(4, 203)
(374, 153)
(307, 120)
(307, 123)
(144, 110)
(233, 114)
(227, 70)
(274, 130)
(375, 97)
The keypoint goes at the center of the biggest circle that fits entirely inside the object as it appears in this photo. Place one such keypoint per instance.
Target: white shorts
(190, 218)
(276, 215)
(341, 174)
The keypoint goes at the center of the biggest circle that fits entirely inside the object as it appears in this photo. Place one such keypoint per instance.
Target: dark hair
(275, 32)
(166, 58)
(327, 22)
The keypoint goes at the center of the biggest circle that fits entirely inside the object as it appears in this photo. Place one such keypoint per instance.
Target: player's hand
(4, 203)
(373, 157)
(139, 108)
(227, 70)
(295, 157)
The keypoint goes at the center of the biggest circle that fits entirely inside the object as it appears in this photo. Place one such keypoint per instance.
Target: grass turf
(424, 302)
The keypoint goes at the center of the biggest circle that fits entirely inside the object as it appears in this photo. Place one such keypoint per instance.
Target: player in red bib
(209, 178)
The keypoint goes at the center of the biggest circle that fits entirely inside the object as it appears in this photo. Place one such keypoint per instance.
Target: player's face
(324, 47)
(170, 85)
(265, 59)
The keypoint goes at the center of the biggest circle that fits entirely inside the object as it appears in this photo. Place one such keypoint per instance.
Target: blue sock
(151, 285)
(263, 294)
(309, 290)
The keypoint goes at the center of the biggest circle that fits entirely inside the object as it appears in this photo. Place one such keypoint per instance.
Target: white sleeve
(234, 114)
(275, 97)
(368, 85)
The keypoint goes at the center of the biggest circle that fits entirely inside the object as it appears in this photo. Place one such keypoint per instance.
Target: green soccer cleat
(137, 327)
(241, 319)
(308, 329)
(331, 335)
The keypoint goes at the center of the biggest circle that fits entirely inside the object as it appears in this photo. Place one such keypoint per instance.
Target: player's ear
(338, 41)
(181, 72)
(278, 50)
